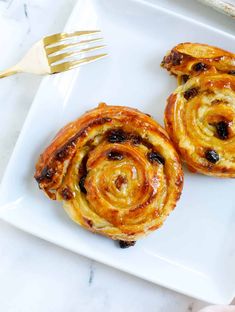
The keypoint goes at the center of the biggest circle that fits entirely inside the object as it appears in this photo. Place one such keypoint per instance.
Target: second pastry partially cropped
(200, 119)
(189, 59)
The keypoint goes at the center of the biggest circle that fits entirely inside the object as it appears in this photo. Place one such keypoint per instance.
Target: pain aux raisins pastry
(191, 59)
(116, 172)
(200, 119)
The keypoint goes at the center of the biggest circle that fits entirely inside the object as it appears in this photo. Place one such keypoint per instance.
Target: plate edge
(225, 300)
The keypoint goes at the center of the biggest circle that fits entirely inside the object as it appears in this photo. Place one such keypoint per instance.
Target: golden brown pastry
(190, 59)
(116, 172)
(200, 119)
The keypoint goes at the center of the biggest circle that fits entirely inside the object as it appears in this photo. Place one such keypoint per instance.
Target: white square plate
(194, 252)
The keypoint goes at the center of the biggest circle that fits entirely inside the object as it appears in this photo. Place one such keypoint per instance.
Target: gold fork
(58, 53)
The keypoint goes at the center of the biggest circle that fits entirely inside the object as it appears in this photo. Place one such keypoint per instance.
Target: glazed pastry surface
(200, 119)
(115, 170)
(187, 60)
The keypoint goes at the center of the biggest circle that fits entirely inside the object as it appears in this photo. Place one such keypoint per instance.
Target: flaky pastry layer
(115, 170)
(200, 119)
(188, 59)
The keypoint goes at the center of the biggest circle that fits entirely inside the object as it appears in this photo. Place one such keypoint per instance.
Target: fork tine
(62, 56)
(61, 36)
(69, 65)
(60, 47)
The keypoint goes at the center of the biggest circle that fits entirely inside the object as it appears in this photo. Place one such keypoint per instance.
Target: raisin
(120, 181)
(176, 58)
(200, 67)
(88, 222)
(154, 157)
(185, 78)
(190, 93)
(222, 130)
(231, 72)
(67, 194)
(62, 153)
(46, 174)
(81, 184)
(113, 155)
(166, 60)
(116, 136)
(125, 244)
(212, 156)
(82, 168)
(136, 139)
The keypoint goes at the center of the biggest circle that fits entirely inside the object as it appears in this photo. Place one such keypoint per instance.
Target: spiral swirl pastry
(200, 119)
(187, 60)
(115, 170)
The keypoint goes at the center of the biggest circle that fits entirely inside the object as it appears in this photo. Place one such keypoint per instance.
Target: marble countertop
(36, 275)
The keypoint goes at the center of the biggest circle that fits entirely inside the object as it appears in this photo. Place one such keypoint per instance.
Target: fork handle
(10, 71)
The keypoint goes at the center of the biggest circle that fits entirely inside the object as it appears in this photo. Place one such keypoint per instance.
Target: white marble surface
(36, 275)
